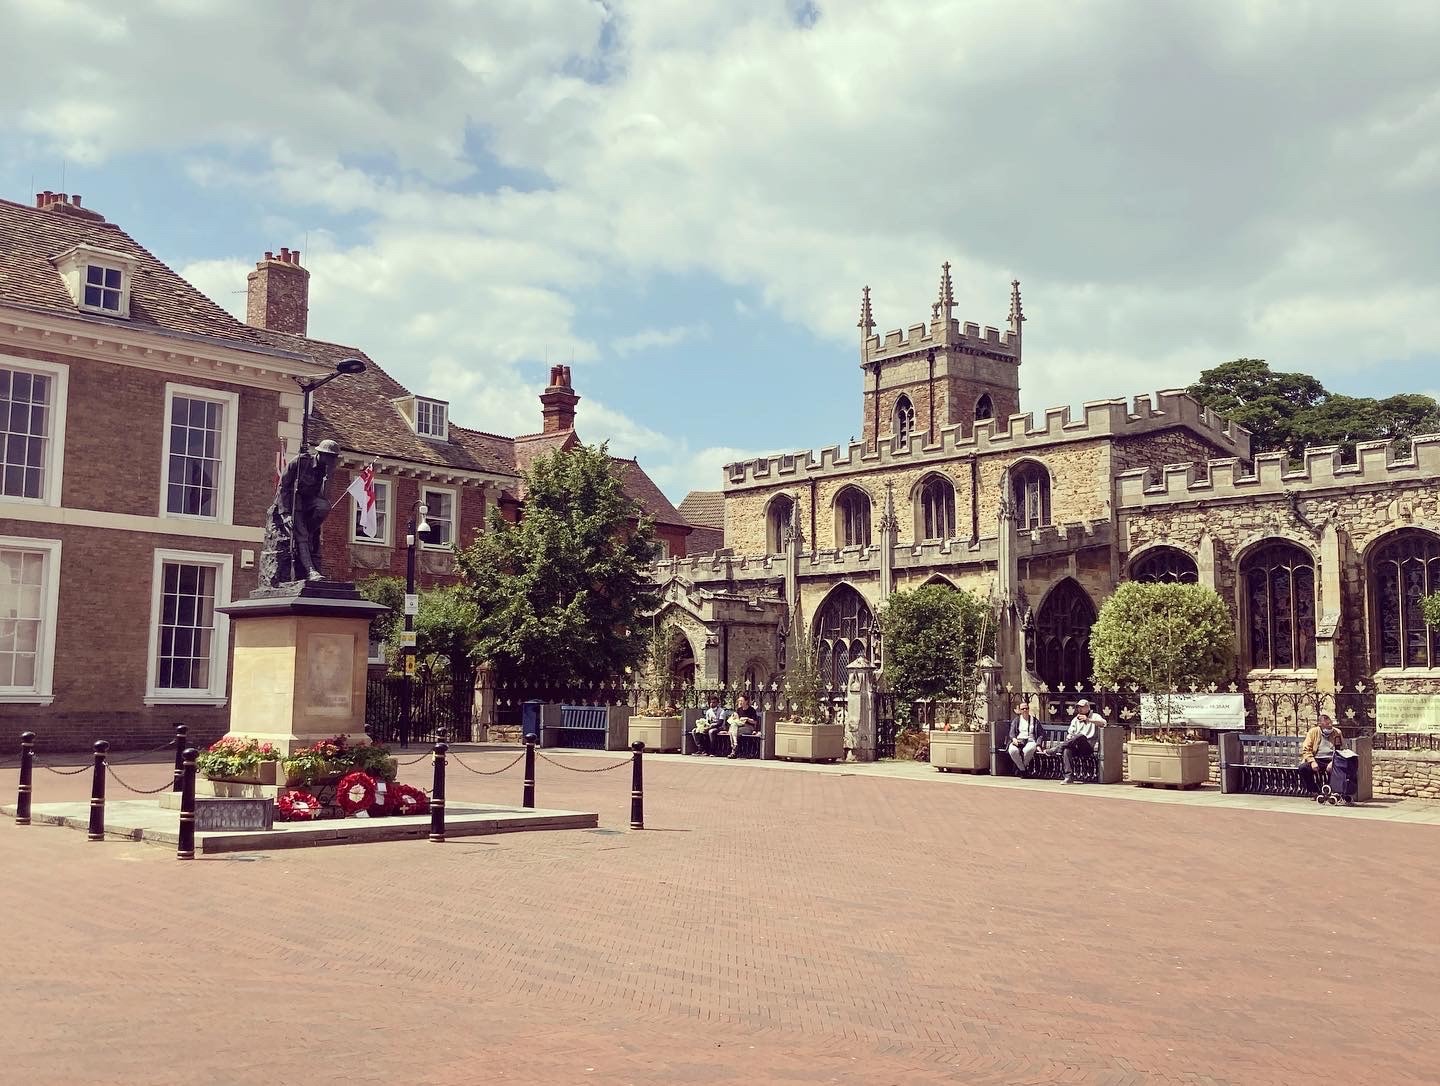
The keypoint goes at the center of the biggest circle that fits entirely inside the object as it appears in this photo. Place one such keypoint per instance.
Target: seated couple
(1027, 739)
(744, 720)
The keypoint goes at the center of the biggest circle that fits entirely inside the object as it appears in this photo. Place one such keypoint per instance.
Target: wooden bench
(585, 727)
(1104, 765)
(1269, 765)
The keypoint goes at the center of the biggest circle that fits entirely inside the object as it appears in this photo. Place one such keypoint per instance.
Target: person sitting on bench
(1079, 739)
(743, 721)
(708, 727)
(1318, 751)
(1024, 738)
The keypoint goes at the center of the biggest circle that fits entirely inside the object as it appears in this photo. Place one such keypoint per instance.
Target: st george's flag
(362, 489)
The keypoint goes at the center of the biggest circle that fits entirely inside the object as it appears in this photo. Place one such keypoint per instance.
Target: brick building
(142, 428)
(1322, 565)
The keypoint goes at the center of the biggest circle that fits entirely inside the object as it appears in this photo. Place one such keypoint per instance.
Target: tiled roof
(31, 237)
(704, 541)
(642, 489)
(704, 508)
(529, 447)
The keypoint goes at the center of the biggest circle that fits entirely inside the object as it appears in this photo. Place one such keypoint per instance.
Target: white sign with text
(1213, 712)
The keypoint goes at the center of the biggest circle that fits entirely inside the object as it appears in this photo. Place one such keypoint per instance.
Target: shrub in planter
(330, 759)
(236, 759)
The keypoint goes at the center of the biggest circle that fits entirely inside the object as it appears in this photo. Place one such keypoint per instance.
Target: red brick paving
(768, 926)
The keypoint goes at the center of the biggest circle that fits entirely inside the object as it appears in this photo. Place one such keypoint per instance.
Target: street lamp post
(407, 641)
(342, 368)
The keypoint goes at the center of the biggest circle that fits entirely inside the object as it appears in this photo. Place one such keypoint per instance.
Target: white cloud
(1223, 178)
(647, 339)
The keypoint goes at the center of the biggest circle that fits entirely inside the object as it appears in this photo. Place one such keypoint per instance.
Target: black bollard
(97, 794)
(437, 795)
(180, 743)
(637, 789)
(527, 796)
(185, 849)
(27, 768)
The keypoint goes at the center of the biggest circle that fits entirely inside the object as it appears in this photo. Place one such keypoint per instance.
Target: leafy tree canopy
(934, 636)
(1287, 411)
(1162, 636)
(561, 596)
(444, 627)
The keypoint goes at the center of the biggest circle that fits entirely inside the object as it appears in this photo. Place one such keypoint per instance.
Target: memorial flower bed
(330, 759)
(247, 761)
(336, 778)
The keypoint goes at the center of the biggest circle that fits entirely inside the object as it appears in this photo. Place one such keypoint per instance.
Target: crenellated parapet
(1016, 435)
(952, 334)
(1377, 464)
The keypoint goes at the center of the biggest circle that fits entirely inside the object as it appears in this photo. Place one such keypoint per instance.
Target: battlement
(1014, 436)
(1321, 468)
(959, 337)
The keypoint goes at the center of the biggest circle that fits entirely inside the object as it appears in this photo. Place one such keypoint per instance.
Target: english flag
(362, 489)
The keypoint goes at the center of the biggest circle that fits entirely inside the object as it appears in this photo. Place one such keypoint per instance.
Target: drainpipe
(974, 499)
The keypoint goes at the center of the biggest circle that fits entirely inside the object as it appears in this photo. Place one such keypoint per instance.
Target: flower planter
(658, 733)
(1177, 765)
(264, 773)
(809, 742)
(968, 752)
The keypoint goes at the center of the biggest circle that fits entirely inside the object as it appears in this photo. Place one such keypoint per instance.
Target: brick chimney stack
(65, 204)
(278, 294)
(557, 403)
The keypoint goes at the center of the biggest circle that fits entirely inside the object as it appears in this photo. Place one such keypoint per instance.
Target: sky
(684, 200)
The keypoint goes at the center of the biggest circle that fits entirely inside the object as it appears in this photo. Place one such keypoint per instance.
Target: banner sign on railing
(1212, 712)
(1413, 713)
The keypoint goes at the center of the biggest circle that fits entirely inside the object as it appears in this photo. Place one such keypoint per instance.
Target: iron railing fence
(775, 697)
(440, 711)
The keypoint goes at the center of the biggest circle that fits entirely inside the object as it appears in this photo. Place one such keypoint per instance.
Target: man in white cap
(1079, 739)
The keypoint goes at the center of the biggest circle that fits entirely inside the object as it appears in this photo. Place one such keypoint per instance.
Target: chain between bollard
(65, 772)
(437, 796)
(572, 769)
(96, 831)
(27, 770)
(168, 786)
(485, 772)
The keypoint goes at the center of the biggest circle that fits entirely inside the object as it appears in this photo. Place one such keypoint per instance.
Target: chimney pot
(75, 200)
(269, 255)
(295, 257)
(278, 293)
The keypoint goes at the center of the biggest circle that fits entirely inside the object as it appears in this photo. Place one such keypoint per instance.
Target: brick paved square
(769, 925)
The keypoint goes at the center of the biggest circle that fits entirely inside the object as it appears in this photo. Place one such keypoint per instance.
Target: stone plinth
(299, 667)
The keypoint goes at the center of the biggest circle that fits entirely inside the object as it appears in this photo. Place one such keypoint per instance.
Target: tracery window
(984, 408)
(777, 523)
(1279, 586)
(1032, 494)
(852, 518)
(937, 508)
(904, 421)
(1403, 571)
(1061, 647)
(1165, 565)
(844, 630)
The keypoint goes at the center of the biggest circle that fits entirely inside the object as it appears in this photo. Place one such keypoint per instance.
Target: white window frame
(44, 689)
(378, 659)
(219, 643)
(74, 265)
(121, 292)
(384, 508)
(426, 489)
(225, 485)
(443, 408)
(55, 446)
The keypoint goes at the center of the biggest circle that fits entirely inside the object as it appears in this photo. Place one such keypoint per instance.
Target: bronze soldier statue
(292, 530)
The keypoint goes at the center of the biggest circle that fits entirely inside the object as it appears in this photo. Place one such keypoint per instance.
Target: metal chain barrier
(417, 758)
(63, 772)
(573, 769)
(485, 772)
(132, 758)
(166, 787)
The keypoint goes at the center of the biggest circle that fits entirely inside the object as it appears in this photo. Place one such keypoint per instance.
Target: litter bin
(530, 722)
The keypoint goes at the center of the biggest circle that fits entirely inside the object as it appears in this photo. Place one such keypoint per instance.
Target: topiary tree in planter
(1163, 638)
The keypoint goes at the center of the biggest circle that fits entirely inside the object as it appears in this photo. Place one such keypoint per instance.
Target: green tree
(1288, 411)
(935, 636)
(383, 588)
(561, 597)
(1164, 638)
(444, 627)
(1266, 403)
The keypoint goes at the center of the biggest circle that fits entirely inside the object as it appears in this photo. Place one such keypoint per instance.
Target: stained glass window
(1279, 587)
(1404, 570)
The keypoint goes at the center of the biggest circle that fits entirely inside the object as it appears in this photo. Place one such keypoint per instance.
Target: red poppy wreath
(355, 792)
(297, 806)
(410, 800)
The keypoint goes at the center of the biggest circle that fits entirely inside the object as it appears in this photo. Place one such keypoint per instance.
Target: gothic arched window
(844, 629)
(904, 421)
(1164, 565)
(852, 518)
(1403, 571)
(1279, 586)
(1062, 637)
(984, 408)
(937, 509)
(1031, 482)
(777, 523)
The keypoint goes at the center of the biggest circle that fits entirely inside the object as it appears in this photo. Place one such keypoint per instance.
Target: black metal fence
(440, 711)
(774, 697)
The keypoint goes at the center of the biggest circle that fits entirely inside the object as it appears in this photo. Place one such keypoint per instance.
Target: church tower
(940, 374)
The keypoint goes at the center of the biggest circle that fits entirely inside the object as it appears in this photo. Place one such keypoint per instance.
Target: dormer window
(430, 420)
(102, 288)
(98, 279)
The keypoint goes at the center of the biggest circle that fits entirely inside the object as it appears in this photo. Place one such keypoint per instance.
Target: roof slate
(704, 508)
